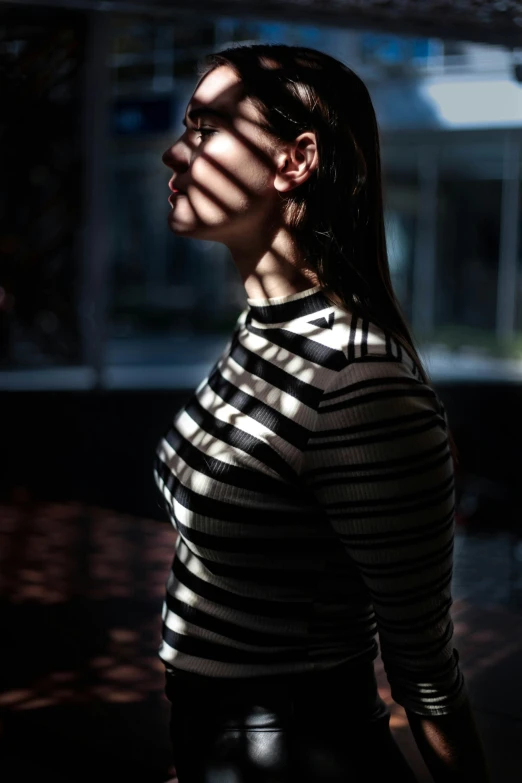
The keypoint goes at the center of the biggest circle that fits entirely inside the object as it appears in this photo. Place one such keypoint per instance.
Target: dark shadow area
(98, 447)
(81, 686)
(91, 447)
(84, 554)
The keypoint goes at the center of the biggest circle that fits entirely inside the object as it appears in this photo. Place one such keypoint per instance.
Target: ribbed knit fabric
(311, 483)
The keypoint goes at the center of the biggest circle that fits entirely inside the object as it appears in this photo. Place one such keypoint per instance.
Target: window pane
(468, 240)
(401, 195)
(518, 305)
(41, 195)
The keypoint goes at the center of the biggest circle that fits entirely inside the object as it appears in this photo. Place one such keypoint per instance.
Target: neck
(274, 268)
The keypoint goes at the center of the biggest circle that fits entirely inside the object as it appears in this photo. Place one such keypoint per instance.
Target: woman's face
(224, 164)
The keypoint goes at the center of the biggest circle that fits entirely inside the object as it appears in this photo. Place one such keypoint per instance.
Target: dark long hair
(337, 214)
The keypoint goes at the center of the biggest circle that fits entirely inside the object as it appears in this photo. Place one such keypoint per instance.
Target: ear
(296, 162)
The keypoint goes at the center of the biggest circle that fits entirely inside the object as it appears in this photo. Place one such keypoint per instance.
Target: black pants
(327, 727)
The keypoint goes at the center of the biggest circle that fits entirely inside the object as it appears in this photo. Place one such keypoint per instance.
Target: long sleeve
(379, 464)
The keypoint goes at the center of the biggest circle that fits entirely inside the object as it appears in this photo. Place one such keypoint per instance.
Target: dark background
(98, 446)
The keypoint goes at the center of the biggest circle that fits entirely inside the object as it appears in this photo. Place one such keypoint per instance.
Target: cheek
(230, 173)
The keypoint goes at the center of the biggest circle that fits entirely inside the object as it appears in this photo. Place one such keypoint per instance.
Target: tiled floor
(81, 685)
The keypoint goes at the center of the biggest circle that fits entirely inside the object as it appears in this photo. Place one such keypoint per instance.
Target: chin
(208, 233)
(178, 227)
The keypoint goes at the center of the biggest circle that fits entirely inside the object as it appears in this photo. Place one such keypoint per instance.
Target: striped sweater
(311, 484)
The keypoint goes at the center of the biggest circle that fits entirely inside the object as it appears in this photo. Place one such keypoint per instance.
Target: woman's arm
(450, 746)
(379, 464)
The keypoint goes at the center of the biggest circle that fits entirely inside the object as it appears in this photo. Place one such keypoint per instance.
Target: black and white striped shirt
(311, 484)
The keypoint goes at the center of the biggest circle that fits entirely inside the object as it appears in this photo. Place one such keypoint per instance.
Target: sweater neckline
(281, 309)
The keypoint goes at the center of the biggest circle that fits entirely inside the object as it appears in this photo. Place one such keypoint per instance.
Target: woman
(310, 477)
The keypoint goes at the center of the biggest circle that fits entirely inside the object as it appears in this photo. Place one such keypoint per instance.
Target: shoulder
(363, 348)
(376, 367)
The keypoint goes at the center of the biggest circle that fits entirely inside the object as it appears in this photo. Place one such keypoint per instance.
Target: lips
(174, 188)
(174, 196)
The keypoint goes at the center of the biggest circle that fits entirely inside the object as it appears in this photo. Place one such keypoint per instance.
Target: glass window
(171, 300)
(401, 194)
(468, 240)
(518, 304)
(41, 54)
(388, 49)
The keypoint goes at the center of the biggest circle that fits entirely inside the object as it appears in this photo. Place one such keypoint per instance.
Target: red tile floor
(81, 687)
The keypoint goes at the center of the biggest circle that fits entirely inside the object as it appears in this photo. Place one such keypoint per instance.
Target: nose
(177, 157)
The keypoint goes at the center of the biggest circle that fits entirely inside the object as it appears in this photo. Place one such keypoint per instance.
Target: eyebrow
(207, 111)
